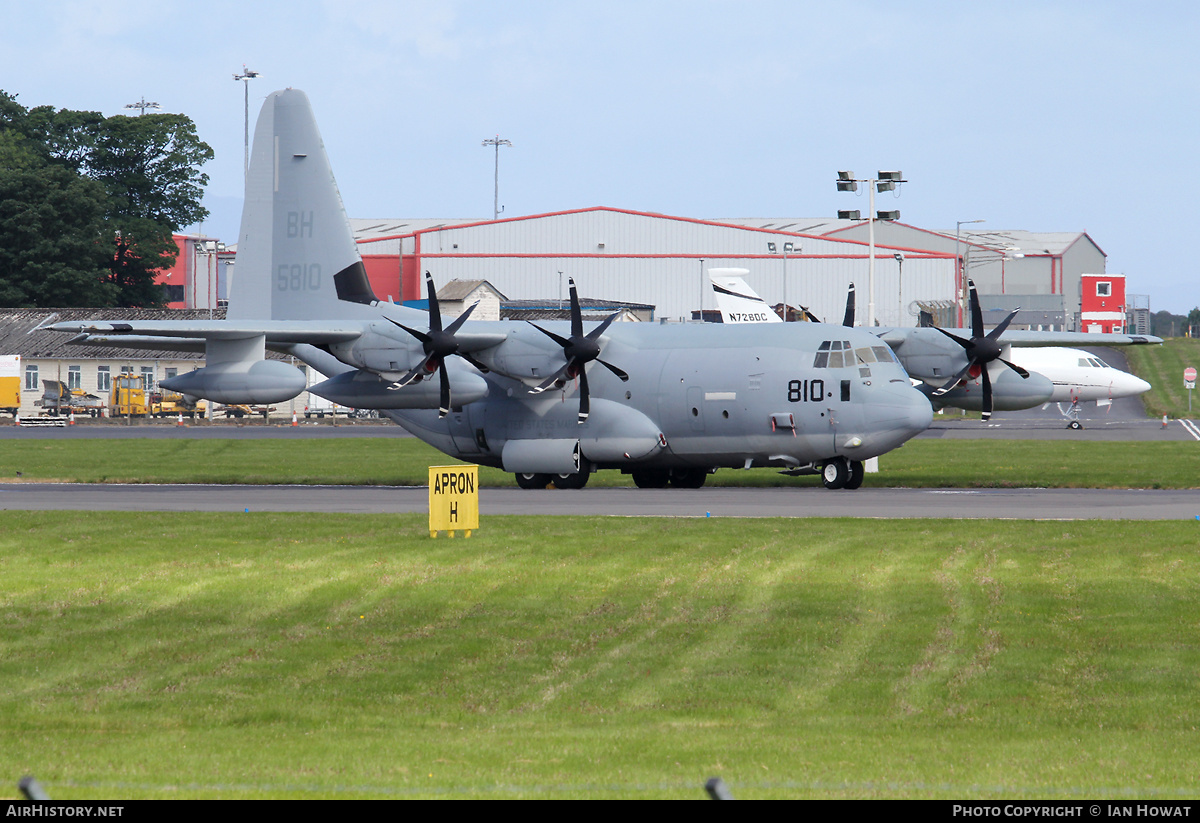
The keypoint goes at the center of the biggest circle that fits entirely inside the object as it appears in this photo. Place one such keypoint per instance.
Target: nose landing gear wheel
(857, 472)
(836, 473)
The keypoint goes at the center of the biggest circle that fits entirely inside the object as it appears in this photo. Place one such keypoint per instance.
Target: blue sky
(1052, 116)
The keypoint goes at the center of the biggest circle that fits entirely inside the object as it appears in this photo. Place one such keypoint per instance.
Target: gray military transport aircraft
(668, 404)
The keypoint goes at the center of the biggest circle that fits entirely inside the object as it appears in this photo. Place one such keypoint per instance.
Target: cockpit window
(837, 354)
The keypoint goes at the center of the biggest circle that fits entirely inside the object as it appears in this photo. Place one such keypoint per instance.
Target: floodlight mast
(885, 181)
(246, 76)
(960, 266)
(497, 142)
(142, 105)
(788, 248)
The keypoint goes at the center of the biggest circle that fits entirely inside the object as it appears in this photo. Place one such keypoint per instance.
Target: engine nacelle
(366, 390)
(241, 383)
(1010, 392)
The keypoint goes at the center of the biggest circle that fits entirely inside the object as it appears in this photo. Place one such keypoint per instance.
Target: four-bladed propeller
(438, 344)
(981, 350)
(579, 349)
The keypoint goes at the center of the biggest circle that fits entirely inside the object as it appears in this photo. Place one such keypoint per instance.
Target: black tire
(836, 473)
(571, 481)
(651, 478)
(1075, 424)
(532, 481)
(688, 478)
(857, 473)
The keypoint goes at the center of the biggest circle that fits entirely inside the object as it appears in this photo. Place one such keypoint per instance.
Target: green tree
(146, 171)
(149, 166)
(53, 236)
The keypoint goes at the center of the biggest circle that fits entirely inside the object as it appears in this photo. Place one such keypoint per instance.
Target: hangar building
(647, 258)
(661, 260)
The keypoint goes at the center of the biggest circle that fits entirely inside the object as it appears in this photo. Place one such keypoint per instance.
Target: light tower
(497, 142)
(143, 105)
(246, 76)
(885, 181)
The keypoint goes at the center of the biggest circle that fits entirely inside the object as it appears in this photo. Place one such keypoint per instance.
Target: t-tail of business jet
(737, 302)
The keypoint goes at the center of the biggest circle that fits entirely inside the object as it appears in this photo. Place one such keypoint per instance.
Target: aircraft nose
(918, 413)
(897, 414)
(1135, 385)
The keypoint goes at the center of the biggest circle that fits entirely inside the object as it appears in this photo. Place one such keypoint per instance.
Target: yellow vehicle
(129, 398)
(10, 383)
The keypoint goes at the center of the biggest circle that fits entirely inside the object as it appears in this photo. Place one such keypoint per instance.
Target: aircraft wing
(897, 337)
(277, 332)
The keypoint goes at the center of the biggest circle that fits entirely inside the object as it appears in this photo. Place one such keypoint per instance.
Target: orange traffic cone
(179, 421)
(71, 420)
(294, 421)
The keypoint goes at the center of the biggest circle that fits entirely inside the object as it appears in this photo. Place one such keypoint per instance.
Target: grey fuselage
(698, 396)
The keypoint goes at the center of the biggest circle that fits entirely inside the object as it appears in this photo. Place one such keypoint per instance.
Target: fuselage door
(465, 439)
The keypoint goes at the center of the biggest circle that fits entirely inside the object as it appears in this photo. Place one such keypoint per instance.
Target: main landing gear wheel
(836, 473)
(533, 481)
(573, 481)
(651, 478)
(570, 481)
(688, 478)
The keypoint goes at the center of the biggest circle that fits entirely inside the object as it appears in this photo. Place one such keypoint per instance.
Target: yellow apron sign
(453, 499)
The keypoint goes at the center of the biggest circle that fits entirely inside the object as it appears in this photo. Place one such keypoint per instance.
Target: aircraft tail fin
(737, 301)
(296, 257)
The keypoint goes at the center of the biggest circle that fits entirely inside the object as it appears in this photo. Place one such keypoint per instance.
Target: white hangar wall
(657, 259)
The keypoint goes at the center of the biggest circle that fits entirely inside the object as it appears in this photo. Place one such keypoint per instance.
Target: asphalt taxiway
(1014, 504)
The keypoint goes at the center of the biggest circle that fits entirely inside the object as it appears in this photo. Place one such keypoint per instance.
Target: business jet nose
(1128, 385)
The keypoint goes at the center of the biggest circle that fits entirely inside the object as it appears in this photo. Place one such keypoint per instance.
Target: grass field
(152, 655)
(405, 462)
(1162, 366)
